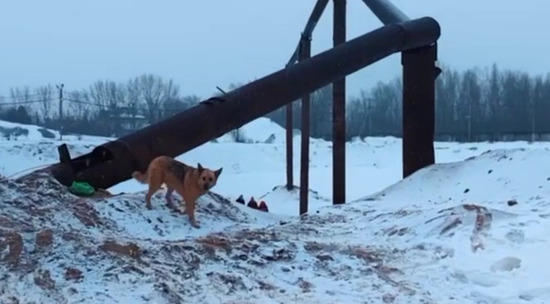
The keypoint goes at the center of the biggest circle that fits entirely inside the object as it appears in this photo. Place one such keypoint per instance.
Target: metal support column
(419, 74)
(339, 112)
(305, 53)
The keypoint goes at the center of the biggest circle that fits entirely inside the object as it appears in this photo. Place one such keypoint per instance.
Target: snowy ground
(470, 229)
(254, 170)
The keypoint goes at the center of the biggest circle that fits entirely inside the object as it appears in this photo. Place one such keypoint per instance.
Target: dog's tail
(140, 177)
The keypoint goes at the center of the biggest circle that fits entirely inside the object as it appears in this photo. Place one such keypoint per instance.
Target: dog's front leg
(187, 205)
(182, 207)
(190, 202)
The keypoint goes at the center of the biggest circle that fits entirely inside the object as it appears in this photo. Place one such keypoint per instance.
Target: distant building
(125, 123)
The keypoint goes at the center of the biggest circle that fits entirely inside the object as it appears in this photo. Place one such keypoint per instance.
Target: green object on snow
(81, 188)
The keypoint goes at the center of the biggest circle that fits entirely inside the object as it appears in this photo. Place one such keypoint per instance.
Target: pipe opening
(98, 156)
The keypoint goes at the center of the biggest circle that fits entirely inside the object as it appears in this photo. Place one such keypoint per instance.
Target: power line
(16, 103)
(26, 96)
(115, 106)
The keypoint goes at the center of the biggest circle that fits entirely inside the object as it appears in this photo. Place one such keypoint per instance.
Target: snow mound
(15, 131)
(260, 130)
(280, 200)
(478, 225)
(55, 247)
(61, 247)
(12, 132)
(434, 237)
(263, 130)
(27, 147)
(23, 156)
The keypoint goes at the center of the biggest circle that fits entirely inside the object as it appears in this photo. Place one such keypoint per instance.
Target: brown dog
(187, 181)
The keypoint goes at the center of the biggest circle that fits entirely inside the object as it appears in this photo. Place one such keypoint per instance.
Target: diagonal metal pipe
(386, 12)
(314, 18)
(113, 162)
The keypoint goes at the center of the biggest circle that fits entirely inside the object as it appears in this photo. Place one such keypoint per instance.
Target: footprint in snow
(506, 264)
(530, 295)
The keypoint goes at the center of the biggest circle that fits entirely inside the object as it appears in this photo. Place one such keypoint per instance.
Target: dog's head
(207, 178)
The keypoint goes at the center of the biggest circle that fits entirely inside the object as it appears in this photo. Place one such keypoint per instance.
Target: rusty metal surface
(217, 116)
(305, 53)
(386, 12)
(289, 133)
(419, 74)
(339, 112)
(314, 18)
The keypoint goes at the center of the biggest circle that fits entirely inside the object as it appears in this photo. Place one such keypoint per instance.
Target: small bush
(15, 132)
(46, 133)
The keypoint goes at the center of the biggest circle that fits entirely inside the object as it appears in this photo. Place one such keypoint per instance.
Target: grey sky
(207, 43)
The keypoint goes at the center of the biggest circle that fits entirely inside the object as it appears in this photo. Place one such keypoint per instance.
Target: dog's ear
(218, 172)
(200, 168)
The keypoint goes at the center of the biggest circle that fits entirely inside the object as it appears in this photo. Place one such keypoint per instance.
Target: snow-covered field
(470, 229)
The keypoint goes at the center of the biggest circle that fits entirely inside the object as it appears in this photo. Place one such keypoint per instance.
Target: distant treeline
(476, 104)
(106, 108)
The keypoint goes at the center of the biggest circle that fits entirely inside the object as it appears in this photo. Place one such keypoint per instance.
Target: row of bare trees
(144, 99)
(476, 104)
(471, 105)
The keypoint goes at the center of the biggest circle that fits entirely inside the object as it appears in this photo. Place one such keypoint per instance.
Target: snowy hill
(469, 229)
(414, 242)
(25, 147)
(14, 132)
(253, 170)
(469, 232)
(260, 130)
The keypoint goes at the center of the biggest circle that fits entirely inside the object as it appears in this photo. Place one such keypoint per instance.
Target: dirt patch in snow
(55, 246)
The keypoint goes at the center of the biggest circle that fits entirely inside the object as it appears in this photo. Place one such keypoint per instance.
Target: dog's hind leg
(155, 182)
(168, 197)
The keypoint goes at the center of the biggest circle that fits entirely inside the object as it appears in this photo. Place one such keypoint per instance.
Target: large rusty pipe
(314, 18)
(113, 162)
(386, 12)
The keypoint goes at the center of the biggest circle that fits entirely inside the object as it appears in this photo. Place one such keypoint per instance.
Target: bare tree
(107, 94)
(191, 100)
(151, 88)
(23, 96)
(470, 100)
(133, 100)
(155, 92)
(45, 95)
(79, 104)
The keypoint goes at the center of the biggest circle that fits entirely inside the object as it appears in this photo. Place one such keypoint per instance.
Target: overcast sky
(207, 43)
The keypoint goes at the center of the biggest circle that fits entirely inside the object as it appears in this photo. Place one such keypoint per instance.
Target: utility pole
(469, 120)
(533, 134)
(369, 113)
(60, 88)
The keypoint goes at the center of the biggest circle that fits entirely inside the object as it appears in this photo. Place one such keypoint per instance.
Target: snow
(24, 148)
(260, 130)
(470, 229)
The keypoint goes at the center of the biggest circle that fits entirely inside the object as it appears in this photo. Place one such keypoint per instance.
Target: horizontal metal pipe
(113, 162)
(386, 12)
